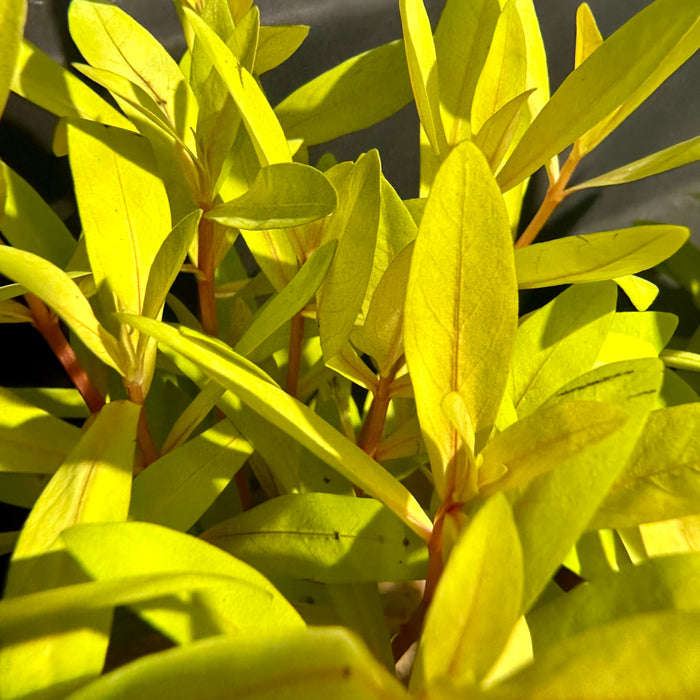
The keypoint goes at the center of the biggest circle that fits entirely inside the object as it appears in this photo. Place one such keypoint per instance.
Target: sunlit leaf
(661, 481)
(309, 664)
(461, 305)
(547, 437)
(277, 44)
(585, 478)
(476, 603)
(62, 403)
(423, 71)
(93, 484)
(359, 92)
(626, 65)
(110, 39)
(177, 488)
(113, 551)
(282, 195)
(260, 121)
(30, 224)
(559, 342)
(642, 657)
(637, 334)
(354, 225)
(588, 37)
(32, 440)
(659, 162)
(54, 88)
(639, 291)
(324, 537)
(62, 294)
(596, 256)
(13, 15)
(462, 41)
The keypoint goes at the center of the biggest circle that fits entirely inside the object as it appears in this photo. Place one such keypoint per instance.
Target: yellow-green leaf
(260, 121)
(258, 391)
(596, 256)
(282, 195)
(32, 440)
(277, 44)
(359, 92)
(58, 290)
(308, 664)
(624, 68)
(461, 305)
(116, 167)
(477, 601)
(588, 37)
(423, 70)
(110, 39)
(13, 14)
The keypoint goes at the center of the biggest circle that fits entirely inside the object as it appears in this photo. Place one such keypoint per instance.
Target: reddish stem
(373, 424)
(555, 195)
(47, 323)
(205, 279)
(296, 338)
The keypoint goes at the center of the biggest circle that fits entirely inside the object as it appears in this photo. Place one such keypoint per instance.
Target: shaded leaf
(309, 664)
(624, 66)
(359, 92)
(476, 603)
(62, 294)
(119, 550)
(32, 440)
(596, 256)
(29, 222)
(177, 488)
(323, 537)
(282, 195)
(559, 342)
(461, 305)
(661, 480)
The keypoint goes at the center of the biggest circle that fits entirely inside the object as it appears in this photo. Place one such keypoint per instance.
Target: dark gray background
(343, 28)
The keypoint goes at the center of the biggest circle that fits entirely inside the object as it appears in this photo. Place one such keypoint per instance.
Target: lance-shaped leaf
(504, 73)
(13, 15)
(643, 657)
(62, 403)
(359, 92)
(423, 70)
(46, 83)
(559, 342)
(282, 195)
(661, 481)
(476, 603)
(92, 485)
(585, 478)
(656, 584)
(546, 438)
(289, 301)
(117, 550)
(462, 41)
(111, 165)
(32, 440)
(177, 488)
(29, 222)
(354, 225)
(640, 292)
(260, 121)
(277, 44)
(382, 333)
(596, 256)
(258, 391)
(621, 72)
(461, 304)
(309, 664)
(323, 537)
(588, 37)
(659, 162)
(109, 39)
(62, 294)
